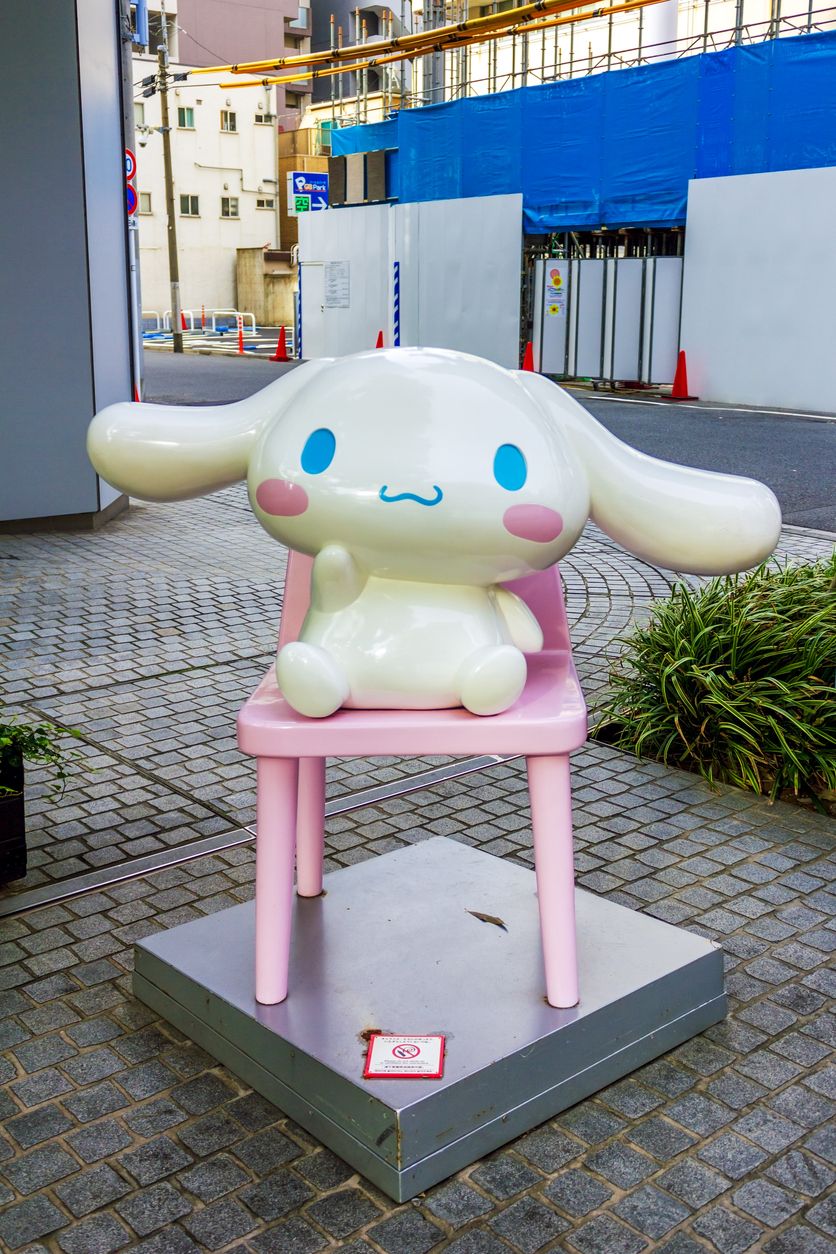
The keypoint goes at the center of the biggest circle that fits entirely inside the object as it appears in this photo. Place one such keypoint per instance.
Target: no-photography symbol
(406, 1051)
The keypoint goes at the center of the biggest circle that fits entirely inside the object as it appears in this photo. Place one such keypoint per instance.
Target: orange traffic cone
(281, 348)
(240, 335)
(380, 343)
(528, 357)
(136, 393)
(679, 391)
(183, 326)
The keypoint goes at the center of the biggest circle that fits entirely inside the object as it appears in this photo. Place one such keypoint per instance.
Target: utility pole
(173, 260)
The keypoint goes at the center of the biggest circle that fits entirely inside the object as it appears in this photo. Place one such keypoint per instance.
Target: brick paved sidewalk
(117, 1133)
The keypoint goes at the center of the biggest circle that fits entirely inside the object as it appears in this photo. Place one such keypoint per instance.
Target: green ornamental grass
(735, 679)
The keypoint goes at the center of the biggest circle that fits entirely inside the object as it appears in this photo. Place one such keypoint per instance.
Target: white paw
(310, 680)
(492, 679)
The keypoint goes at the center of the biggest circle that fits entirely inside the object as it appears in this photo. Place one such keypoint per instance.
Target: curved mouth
(411, 496)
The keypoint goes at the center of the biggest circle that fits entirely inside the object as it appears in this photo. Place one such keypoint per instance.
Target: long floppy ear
(172, 452)
(673, 516)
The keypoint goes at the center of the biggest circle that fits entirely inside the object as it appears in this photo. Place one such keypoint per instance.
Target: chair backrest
(542, 593)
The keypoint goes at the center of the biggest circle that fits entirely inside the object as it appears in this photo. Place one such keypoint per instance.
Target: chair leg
(275, 845)
(310, 827)
(551, 815)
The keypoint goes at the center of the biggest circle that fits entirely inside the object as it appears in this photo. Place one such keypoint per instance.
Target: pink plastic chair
(545, 724)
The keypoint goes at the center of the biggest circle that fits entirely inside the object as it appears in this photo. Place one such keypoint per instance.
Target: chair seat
(549, 718)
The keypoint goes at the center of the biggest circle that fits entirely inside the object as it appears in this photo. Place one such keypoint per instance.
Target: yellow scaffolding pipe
(481, 37)
(440, 35)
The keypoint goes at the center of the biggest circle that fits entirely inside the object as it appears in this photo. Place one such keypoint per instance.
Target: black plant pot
(12, 822)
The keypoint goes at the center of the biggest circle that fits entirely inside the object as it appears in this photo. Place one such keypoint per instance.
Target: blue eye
(509, 468)
(318, 452)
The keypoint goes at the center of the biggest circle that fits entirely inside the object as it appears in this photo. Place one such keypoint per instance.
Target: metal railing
(525, 70)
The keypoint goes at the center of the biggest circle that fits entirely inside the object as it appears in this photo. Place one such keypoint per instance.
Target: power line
(183, 31)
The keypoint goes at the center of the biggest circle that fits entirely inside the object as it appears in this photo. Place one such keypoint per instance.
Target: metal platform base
(393, 945)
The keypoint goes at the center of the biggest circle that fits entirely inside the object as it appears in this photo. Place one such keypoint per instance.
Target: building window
(145, 202)
(185, 118)
(292, 100)
(229, 206)
(189, 207)
(228, 121)
(265, 202)
(265, 119)
(155, 33)
(139, 114)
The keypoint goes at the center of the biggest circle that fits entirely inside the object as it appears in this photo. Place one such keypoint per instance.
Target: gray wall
(63, 258)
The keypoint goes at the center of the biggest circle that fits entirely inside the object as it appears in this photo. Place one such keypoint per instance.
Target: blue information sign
(310, 183)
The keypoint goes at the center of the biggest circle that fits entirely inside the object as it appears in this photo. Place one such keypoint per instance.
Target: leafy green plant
(38, 743)
(735, 679)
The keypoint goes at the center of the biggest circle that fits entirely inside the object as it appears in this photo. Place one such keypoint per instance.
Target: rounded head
(425, 464)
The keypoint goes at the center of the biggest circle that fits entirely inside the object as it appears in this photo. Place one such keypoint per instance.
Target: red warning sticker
(404, 1058)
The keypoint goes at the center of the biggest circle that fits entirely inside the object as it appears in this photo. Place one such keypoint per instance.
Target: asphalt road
(795, 456)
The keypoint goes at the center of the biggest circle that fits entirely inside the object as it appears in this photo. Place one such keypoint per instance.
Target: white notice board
(337, 285)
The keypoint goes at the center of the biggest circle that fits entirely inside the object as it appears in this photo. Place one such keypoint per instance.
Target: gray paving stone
(728, 1233)
(45, 1051)
(202, 1094)
(277, 1194)
(801, 1173)
(766, 1202)
(323, 1169)
(661, 1139)
(732, 1155)
(93, 1103)
(693, 1183)
(294, 1236)
(101, 1234)
(406, 1232)
(772, 1132)
(265, 1150)
(456, 1203)
(155, 1160)
(799, 1239)
(92, 1190)
(38, 1125)
(41, 1087)
(219, 1224)
(605, 1235)
(548, 1148)
(25, 1222)
(577, 1192)
(41, 1167)
(477, 1242)
(823, 1215)
(651, 1211)
(342, 1213)
(100, 1140)
(171, 1240)
(505, 1176)
(591, 1122)
(699, 1114)
(153, 1208)
(621, 1165)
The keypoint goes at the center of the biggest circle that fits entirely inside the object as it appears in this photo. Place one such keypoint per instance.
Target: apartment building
(223, 139)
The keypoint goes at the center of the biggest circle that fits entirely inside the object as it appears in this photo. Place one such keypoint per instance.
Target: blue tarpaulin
(618, 149)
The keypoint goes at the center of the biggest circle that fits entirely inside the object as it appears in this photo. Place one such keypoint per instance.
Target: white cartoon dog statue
(421, 481)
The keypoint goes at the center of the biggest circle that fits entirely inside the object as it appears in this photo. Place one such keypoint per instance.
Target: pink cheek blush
(280, 498)
(533, 522)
